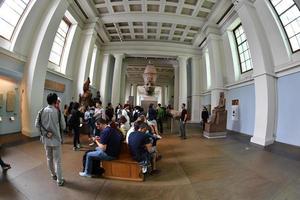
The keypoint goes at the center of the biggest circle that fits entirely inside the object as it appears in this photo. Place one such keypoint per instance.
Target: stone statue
(149, 76)
(85, 99)
(216, 127)
(219, 108)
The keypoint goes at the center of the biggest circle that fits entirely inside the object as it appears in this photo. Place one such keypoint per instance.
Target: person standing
(47, 121)
(204, 116)
(4, 165)
(183, 119)
(75, 124)
(160, 118)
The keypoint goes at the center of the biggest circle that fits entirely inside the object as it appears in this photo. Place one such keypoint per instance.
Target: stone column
(128, 88)
(263, 73)
(216, 55)
(163, 95)
(116, 85)
(36, 66)
(88, 38)
(176, 87)
(134, 93)
(182, 80)
(104, 78)
(196, 89)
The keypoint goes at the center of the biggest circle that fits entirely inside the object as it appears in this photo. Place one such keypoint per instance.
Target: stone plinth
(217, 127)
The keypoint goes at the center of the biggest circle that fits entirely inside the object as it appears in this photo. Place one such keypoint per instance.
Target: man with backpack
(47, 121)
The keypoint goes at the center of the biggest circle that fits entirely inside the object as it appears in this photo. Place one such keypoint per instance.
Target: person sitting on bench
(109, 146)
(141, 149)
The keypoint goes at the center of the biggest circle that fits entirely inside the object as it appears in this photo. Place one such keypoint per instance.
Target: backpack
(188, 117)
(96, 169)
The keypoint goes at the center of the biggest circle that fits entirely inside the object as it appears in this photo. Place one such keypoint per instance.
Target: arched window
(243, 49)
(11, 12)
(289, 16)
(59, 41)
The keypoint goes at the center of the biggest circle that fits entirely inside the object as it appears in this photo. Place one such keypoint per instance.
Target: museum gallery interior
(238, 58)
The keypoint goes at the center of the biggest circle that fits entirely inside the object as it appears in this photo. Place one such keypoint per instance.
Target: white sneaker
(144, 169)
(83, 174)
(78, 146)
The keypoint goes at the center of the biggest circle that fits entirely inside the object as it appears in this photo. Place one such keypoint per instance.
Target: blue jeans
(98, 154)
(182, 129)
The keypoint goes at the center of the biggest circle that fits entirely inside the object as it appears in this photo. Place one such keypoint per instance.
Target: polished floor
(196, 168)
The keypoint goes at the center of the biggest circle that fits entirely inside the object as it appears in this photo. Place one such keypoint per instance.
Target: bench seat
(124, 168)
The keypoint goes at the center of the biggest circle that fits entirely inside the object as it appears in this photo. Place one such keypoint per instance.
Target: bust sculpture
(149, 76)
(85, 99)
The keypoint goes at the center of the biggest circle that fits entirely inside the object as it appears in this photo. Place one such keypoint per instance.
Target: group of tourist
(108, 128)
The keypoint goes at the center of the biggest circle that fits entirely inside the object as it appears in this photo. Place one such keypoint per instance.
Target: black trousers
(2, 163)
(76, 136)
(203, 124)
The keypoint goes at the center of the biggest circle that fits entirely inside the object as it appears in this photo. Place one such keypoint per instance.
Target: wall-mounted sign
(235, 102)
(55, 86)
(1, 100)
(235, 110)
(10, 101)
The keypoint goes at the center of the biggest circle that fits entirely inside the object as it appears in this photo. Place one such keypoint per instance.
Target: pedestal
(174, 125)
(211, 135)
(146, 101)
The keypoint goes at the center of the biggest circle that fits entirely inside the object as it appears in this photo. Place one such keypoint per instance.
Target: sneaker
(6, 167)
(144, 169)
(83, 174)
(54, 177)
(78, 146)
(74, 148)
(61, 183)
(92, 144)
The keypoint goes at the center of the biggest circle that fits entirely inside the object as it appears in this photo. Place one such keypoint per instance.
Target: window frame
(18, 22)
(283, 27)
(65, 19)
(237, 48)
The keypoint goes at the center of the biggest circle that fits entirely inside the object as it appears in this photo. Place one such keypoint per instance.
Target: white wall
(288, 124)
(246, 97)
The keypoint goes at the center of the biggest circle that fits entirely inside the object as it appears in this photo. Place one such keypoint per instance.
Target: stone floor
(196, 168)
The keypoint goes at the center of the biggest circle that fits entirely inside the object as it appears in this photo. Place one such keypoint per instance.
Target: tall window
(243, 49)
(289, 16)
(59, 41)
(93, 62)
(11, 12)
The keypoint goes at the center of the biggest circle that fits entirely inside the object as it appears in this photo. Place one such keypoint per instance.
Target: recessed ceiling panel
(176, 21)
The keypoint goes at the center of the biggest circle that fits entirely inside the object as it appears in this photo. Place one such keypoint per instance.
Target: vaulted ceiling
(176, 21)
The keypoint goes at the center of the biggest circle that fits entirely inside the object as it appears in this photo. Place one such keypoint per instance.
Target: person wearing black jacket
(75, 125)
(204, 116)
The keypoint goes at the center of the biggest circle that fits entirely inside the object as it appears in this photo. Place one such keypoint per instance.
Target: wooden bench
(124, 168)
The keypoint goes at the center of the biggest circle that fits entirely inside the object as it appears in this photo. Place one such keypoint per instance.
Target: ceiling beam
(152, 17)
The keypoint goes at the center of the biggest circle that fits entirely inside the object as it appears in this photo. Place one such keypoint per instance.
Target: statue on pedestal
(219, 108)
(85, 99)
(216, 127)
